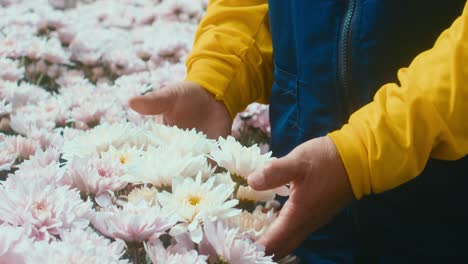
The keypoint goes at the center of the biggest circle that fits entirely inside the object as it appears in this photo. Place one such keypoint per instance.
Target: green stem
(135, 255)
(39, 80)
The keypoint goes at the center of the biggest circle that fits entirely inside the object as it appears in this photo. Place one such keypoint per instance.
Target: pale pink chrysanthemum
(48, 209)
(71, 78)
(134, 222)
(20, 146)
(51, 174)
(14, 244)
(158, 254)
(89, 112)
(123, 60)
(7, 158)
(180, 10)
(42, 158)
(35, 48)
(184, 141)
(10, 70)
(46, 138)
(100, 138)
(143, 193)
(54, 52)
(256, 115)
(11, 47)
(27, 119)
(88, 45)
(22, 94)
(255, 224)
(79, 246)
(226, 245)
(66, 34)
(94, 175)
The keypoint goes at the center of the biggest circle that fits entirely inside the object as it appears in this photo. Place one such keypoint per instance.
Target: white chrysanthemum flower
(195, 202)
(250, 195)
(226, 245)
(126, 155)
(143, 193)
(47, 208)
(242, 161)
(254, 224)
(224, 178)
(158, 166)
(239, 160)
(134, 222)
(186, 142)
(159, 254)
(100, 138)
(78, 246)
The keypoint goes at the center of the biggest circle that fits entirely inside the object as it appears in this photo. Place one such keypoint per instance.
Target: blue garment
(330, 58)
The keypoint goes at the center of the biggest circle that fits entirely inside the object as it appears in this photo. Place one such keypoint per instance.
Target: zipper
(344, 55)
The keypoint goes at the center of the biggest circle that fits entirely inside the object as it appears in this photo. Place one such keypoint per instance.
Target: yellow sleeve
(232, 53)
(389, 141)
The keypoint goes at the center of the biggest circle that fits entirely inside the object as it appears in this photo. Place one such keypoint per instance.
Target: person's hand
(319, 189)
(186, 105)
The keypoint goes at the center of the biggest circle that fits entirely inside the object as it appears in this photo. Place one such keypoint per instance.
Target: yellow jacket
(387, 142)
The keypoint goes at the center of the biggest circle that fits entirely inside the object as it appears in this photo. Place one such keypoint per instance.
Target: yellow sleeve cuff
(354, 156)
(211, 75)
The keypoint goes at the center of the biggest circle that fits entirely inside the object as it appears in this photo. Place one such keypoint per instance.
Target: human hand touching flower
(319, 189)
(187, 105)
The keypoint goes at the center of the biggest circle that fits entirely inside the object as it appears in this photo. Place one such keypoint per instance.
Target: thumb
(154, 103)
(278, 173)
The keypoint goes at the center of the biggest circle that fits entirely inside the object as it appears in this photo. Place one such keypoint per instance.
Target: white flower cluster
(84, 179)
(141, 188)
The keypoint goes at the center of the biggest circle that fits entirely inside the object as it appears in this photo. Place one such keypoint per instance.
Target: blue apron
(330, 58)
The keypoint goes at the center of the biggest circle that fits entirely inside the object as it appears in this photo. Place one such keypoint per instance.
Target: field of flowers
(84, 179)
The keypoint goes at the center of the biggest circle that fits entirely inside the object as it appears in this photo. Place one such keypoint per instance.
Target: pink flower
(134, 222)
(47, 208)
(6, 160)
(20, 146)
(180, 10)
(14, 244)
(158, 254)
(255, 116)
(95, 175)
(78, 246)
(26, 120)
(228, 245)
(10, 70)
(22, 94)
(51, 174)
(43, 166)
(70, 78)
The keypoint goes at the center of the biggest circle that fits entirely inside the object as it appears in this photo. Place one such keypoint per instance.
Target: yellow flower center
(194, 200)
(123, 159)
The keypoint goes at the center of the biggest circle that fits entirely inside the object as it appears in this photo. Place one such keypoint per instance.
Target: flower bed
(87, 180)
